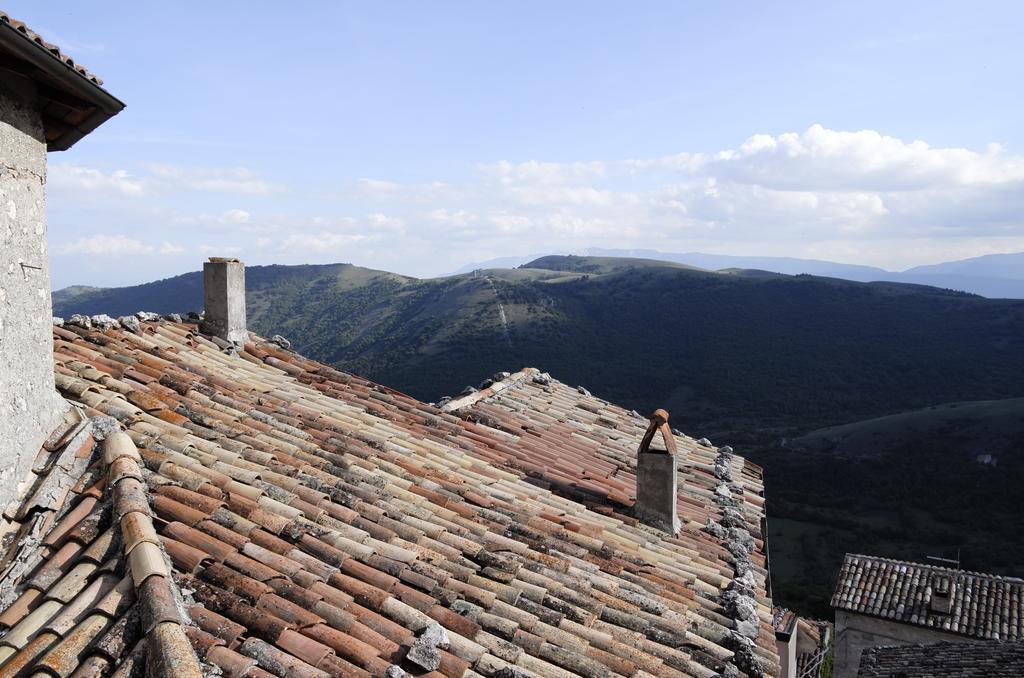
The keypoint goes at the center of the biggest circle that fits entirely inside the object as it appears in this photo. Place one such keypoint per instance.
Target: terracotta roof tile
(319, 522)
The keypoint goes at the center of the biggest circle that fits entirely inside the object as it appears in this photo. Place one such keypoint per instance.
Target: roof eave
(106, 105)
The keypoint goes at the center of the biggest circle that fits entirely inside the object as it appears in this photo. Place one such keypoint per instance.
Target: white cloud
(170, 248)
(86, 183)
(76, 179)
(398, 193)
(116, 245)
(219, 250)
(236, 216)
(860, 196)
(382, 222)
(544, 173)
(320, 243)
(233, 180)
(825, 159)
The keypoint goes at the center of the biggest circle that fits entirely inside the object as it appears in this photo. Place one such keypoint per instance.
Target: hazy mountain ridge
(997, 276)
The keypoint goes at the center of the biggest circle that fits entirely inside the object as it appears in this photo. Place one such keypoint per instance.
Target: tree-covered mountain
(727, 352)
(997, 276)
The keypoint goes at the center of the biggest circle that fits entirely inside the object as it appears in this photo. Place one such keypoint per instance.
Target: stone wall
(30, 407)
(856, 633)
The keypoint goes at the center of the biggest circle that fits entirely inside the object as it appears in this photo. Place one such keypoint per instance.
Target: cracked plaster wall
(30, 407)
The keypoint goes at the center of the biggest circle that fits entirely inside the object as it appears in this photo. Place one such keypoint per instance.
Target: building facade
(46, 104)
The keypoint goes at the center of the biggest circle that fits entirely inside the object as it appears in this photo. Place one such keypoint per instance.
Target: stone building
(47, 103)
(880, 602)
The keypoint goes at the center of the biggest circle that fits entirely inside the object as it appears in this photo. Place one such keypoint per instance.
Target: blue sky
(417, 137)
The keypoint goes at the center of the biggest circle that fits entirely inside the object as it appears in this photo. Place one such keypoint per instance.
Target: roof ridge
(496, 387)
(984, 575)
(171, 654)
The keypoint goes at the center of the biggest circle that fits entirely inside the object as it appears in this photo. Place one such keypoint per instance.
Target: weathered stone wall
(856, 633)
(29, 405)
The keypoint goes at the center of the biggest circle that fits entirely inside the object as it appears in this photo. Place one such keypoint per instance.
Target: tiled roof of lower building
(965, 603)
(984, 659)
(293, 520)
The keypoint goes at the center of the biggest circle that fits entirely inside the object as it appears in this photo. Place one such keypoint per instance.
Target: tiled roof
(54, 50)
(565, 439)
(315, 523)
(980, 605)
(986, 659)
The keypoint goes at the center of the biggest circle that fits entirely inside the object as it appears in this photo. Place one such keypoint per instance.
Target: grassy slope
(983, 427)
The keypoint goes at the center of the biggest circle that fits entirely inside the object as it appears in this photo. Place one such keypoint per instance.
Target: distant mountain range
(997, 276)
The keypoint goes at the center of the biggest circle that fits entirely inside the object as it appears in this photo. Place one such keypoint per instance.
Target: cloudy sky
(418, 137)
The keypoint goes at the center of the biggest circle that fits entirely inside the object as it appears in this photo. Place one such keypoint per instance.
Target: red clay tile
(185, 557)
(171, 510)
(205, 543)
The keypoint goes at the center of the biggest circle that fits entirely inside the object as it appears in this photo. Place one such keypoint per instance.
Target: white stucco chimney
(224, 299)
(656, 477)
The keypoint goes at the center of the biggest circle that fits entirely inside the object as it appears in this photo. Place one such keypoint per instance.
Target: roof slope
(989, 659)
(319, 524)
(578, 445)
(980, 605)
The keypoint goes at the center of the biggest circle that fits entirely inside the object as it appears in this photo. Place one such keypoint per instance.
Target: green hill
(988, 427)
(726, 352)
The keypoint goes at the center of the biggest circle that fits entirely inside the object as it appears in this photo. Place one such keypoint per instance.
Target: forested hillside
(727, 352)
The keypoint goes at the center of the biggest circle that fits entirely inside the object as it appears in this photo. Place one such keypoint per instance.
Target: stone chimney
(656, 477)
(224, 300)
